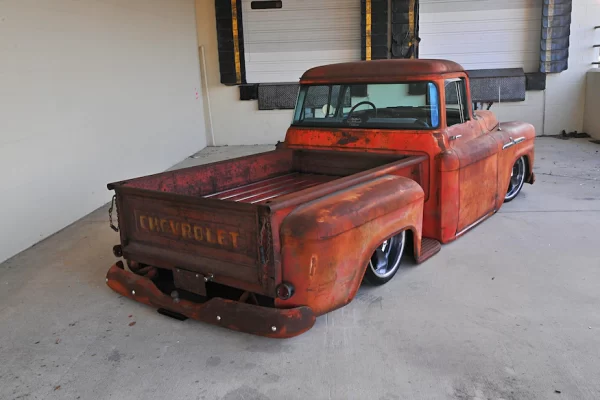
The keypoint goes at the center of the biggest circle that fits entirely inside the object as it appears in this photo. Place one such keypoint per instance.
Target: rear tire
(386, 260)
(517, 179)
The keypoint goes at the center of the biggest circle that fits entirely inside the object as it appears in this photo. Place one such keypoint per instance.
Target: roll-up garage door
(282, 43)
(482, 34)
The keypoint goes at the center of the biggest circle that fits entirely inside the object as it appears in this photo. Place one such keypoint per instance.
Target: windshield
(390, 105)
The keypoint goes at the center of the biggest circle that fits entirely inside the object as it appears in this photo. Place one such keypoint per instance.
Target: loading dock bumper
(243, 317)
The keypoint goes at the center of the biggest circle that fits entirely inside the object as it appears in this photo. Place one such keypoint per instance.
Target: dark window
(369, 106)
(265, 5)
(457, 111)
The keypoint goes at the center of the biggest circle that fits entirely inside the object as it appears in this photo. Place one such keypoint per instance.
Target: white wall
(565, 92)
(531, 110)
(234, 122)
(591, 118)
(561, 106)
(90, 92)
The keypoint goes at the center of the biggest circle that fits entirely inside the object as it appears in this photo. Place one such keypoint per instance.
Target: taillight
(284, 291)
(118, 251)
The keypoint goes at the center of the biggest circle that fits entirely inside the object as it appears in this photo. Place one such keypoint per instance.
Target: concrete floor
(510, 311)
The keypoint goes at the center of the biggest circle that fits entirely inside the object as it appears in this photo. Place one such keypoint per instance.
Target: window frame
(463, 103)
(300, 109)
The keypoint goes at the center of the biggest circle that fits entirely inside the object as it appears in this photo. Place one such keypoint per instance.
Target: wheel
(517, 179)
(385, 262)
(360, 104)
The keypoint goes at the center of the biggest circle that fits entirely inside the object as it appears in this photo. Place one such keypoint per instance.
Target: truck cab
(420, 107)
(383, 160)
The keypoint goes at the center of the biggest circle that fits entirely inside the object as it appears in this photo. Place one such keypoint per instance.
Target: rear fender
(327, 243)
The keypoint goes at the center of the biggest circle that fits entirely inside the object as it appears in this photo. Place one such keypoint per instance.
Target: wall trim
(405, 29)
(230, 38)
(556, 32)
(374, 29)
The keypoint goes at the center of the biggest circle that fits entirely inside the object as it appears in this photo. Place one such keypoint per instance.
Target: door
(482, 34)
(478, 155)
(281, 43)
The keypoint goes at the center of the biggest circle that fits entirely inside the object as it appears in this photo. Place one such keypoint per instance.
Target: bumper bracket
(243, 317)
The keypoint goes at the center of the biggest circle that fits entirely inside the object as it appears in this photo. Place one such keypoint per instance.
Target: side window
(432, 101)
(457, 110)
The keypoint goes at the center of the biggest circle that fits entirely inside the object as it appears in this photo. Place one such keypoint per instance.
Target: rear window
(390, 105)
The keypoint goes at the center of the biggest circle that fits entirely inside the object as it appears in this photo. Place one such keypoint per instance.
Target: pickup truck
(384, 160)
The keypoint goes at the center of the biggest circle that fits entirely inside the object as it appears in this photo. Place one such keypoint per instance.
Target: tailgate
(201, 236)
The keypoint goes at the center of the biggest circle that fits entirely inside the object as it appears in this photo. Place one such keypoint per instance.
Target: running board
(474, 224)
(429, 248)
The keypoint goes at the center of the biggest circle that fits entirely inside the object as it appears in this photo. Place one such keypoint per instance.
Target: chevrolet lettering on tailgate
(189, 231)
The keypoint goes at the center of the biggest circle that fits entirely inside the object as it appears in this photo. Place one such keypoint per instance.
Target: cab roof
(379, 71)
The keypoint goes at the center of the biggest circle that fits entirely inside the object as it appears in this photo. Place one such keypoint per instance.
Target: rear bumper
(243, 317)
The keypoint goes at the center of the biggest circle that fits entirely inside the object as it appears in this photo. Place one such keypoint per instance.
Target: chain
(264, 255)
(408, 45)
(110, 211)
(269, 238)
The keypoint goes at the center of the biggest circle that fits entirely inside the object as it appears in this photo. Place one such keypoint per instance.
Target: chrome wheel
(385, 261)
(517, 179)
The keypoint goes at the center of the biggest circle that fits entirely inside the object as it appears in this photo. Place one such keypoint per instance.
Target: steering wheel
(360, 104)
(421, 123)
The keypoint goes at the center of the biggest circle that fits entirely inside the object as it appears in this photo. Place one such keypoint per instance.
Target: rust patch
(244, 317)
(313, 265)
(440, 141)
(347, 138)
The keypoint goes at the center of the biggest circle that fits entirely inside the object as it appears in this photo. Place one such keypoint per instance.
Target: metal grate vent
(277, 96)
(489, 85)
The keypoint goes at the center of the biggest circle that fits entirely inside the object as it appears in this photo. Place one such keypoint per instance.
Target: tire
(386, 260)
(517, 179)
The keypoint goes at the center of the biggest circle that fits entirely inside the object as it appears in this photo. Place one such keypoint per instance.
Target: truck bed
(221, 219)
(269, 189)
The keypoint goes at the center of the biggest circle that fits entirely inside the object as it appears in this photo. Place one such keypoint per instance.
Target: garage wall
(91, 92)
(487, 34)
(566, 92)
(559, 107)
(280, 44)
(482, 34)
(591, 119)
(494, 34)
(233, 122)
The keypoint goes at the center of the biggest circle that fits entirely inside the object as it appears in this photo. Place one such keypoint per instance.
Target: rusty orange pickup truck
(384, 160)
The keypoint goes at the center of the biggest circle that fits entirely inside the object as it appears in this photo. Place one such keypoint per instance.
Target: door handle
(455, 137)
(513, 142)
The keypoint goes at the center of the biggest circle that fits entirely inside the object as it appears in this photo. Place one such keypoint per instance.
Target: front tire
(517, 179)
(386, 260)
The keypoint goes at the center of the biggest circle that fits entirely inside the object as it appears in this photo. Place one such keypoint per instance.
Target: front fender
(509, 153)
(327, 243)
